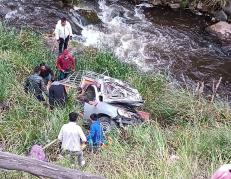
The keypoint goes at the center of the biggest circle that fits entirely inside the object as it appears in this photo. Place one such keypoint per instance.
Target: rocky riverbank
(221, 10)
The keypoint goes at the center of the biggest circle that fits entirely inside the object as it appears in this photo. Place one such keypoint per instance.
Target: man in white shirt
(70, 135)
(63, 32)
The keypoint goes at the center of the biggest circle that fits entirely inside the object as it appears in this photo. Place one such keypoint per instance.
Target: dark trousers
(63, 43)
(63, 75)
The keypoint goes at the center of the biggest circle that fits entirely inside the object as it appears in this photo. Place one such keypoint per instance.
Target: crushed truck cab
(113, 100)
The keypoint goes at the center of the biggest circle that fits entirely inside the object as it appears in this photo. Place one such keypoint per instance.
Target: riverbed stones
(156, 2)
(222, 30)
(175, 5)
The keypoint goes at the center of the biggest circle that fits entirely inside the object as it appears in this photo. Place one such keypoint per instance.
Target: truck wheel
(107, 123)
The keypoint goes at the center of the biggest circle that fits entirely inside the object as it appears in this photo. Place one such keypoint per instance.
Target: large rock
(222, 30)
(175, 5)
(227, 8)
(156, 2)
(220, 15)
(4, 10)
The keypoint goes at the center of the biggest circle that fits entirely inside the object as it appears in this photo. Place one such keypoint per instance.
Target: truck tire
(107, 123)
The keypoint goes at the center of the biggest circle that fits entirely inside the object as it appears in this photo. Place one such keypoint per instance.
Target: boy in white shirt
(70, 135)
(63, 33)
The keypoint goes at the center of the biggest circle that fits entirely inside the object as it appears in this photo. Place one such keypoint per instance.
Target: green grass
(183, 124)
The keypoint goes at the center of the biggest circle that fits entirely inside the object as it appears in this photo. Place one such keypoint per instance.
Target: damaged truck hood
(117, 91)
(112, 90)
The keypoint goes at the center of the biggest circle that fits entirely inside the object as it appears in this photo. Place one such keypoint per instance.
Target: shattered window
(90, 93)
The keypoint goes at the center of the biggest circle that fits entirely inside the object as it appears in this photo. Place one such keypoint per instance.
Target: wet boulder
(4, 10)
(222, 30)
(227, 8)
(90, 16)
(156, 2)
(220, 15)
(87, 16)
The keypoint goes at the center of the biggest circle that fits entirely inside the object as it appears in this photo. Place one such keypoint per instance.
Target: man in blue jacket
(95, 137)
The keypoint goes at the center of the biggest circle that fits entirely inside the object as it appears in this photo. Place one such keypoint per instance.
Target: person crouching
(65, 64)
(57, 94)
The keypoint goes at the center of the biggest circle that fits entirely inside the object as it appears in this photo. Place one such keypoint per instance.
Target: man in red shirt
(65, 64)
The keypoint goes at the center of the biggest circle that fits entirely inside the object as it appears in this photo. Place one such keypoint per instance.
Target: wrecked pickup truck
(115, 101)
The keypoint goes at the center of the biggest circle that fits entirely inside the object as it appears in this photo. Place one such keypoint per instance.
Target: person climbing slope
(57, 94)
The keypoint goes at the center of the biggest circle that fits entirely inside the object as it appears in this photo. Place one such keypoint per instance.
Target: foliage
(188, 137)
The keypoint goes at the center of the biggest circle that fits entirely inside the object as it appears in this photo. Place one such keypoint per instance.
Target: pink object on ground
(224, 172)
(37, 152)
(144, 115)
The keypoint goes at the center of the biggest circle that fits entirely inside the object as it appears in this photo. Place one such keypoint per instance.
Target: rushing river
(152, 38)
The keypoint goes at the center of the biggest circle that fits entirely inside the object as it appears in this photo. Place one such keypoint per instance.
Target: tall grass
(188, 136)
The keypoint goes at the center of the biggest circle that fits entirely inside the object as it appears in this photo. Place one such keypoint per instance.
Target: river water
(152, 38)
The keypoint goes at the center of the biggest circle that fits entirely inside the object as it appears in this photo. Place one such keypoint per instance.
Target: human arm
(51, 73)
(82, 135)
(57, 31)
(70, 30)
(58, 64)
(60, 136)
(72, 63)
(43, 86)
(91, 133)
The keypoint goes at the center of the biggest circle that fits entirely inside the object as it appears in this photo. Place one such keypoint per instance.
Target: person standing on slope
(63, 33)
(95, 137)
(65, 64)
(70, 137)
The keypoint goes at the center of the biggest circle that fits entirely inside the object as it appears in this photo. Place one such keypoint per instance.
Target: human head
(42, 66)
(224, 172)
(37, 69)
(63, 21)
(94, 117)
(73, 117)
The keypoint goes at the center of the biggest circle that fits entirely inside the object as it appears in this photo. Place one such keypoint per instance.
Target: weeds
(188, 136)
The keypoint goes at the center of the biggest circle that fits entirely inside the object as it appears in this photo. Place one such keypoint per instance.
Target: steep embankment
(188, 136)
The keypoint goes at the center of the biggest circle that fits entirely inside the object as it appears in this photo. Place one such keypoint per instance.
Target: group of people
(44, 82)
(72, 137)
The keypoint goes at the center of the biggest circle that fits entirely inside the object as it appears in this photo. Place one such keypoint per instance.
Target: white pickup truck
(115, 101)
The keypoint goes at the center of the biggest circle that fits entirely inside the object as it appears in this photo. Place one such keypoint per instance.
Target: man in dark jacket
(35, 85)
(46, 73)
(57, 94)
(65, 64)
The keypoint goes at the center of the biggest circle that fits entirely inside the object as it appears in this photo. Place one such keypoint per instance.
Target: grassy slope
(182, 124)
